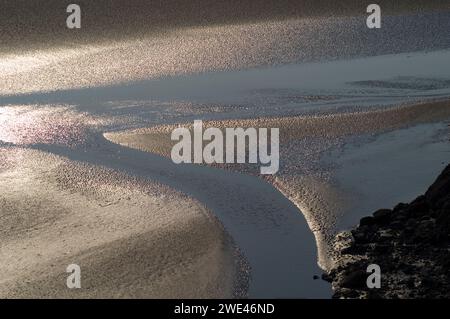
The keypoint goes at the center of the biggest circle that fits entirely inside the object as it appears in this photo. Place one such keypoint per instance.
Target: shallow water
(62, 100)
(384, 170)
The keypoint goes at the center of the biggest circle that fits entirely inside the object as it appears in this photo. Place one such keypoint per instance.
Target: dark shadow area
(33, 24)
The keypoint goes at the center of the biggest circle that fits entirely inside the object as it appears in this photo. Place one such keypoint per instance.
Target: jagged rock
(367, 221)
(354, 279)
(327, 277)
(399, 207)
(440, 190)
(381, 216)
(410, 243)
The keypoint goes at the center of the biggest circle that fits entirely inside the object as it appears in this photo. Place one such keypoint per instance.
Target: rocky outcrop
(410, 243)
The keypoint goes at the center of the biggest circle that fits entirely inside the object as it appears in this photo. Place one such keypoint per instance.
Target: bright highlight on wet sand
(245, 143)
(215, 151)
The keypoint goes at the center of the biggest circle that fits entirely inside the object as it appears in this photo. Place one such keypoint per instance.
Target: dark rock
(382, 215)
(419, 205)
(411, 222)
(444, 261)
(366, 221)
(407, 269)
(315, 277)
(396, 240)
(399, 207)
(382, 249)
(346, 294)
(327, 277)
(429, 282)
(360, 237)
(440, 188)
(397, 225)
(446, 205)
(374, 294)
(401, 216)
(355, 280)
(410, 283)
(356, 249)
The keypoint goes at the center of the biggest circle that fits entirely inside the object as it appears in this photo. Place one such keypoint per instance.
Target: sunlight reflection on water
(22, 125)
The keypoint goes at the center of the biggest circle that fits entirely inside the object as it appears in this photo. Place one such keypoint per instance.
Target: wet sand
(203, 49)
(324, 195)
(36, 24)
(157, 139)
(263, 224)
(132, 238)
(120, 73)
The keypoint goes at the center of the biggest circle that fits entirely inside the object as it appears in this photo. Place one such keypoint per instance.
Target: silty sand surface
(259, 218)
(131, 237)
(313, 190)
(112, 49)
(31, 24)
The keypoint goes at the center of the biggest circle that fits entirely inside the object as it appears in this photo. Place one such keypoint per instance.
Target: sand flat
(157, 139)
(305, 140)
(131, 237)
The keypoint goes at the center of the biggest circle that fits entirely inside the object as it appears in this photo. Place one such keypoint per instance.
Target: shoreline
(410, 243)
(149, 236)
(315, 194)
(86, 175)
(262, 222)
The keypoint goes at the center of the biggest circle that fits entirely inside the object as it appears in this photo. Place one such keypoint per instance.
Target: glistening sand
(131, 238)
(323, 198)
(56, 103)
